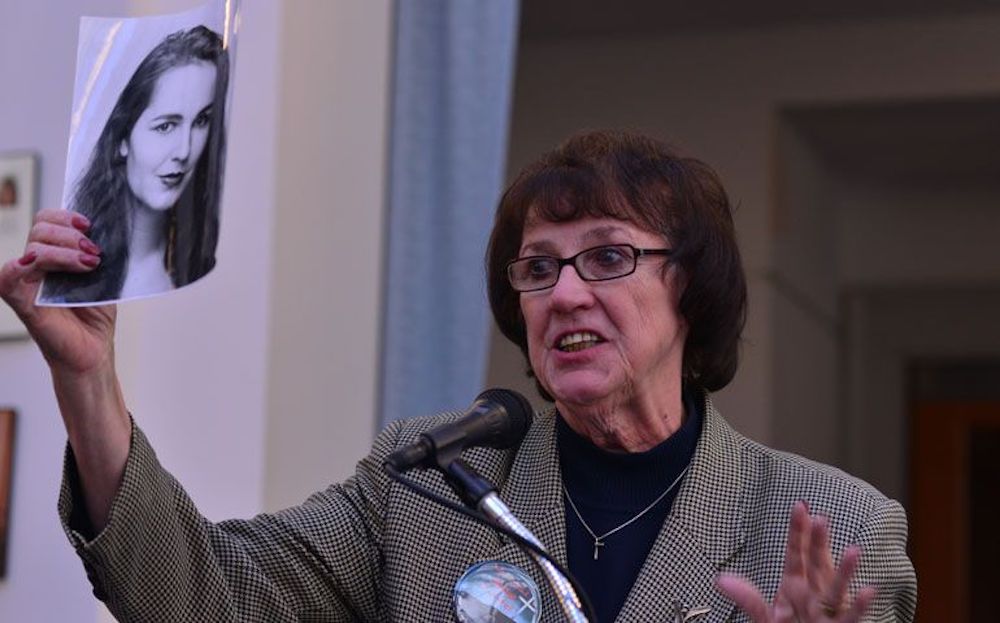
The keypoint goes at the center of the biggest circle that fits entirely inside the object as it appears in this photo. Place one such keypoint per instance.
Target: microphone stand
(477, 492)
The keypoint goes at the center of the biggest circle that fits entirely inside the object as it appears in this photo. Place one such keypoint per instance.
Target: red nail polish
(27, 258)
(89, 247)
(80, 222)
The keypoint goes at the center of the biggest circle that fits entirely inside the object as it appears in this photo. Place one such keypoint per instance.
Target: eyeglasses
(609, 261)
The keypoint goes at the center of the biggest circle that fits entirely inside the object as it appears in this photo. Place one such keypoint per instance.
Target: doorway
(954, 467)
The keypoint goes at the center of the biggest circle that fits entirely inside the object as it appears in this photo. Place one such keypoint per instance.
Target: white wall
(37, 58)
(804, 284)
(895, 233)
(327, 274)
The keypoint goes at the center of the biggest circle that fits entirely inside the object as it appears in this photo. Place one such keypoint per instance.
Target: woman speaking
(151, 187)
(613, 265)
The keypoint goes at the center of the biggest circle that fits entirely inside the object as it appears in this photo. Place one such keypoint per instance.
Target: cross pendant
(597, 543)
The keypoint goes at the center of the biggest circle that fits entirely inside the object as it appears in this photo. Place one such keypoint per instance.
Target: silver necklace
(599, 540)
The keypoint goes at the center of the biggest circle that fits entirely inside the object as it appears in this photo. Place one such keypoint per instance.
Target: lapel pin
(682, 613)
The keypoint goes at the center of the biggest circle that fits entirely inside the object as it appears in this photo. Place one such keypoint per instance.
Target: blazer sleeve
(884, 564)
(159, 559)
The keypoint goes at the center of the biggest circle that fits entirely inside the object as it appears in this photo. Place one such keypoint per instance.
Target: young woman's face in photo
(166, 141)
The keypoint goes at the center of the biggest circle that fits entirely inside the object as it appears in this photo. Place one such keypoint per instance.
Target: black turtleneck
(609, 488)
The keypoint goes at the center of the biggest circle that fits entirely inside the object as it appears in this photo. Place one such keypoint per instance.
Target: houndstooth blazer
(368, 550)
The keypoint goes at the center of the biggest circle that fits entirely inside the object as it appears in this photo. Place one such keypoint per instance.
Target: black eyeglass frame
(567, 261)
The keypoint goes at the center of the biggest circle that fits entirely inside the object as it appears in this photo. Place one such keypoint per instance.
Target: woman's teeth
(578, 341)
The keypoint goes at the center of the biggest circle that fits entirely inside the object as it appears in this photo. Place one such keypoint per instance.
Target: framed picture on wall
(18, 202)
(6, 467)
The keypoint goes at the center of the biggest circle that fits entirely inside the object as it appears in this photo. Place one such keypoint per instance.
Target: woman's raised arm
(78, 344)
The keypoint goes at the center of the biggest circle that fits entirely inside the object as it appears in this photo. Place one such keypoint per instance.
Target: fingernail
(27, 258)
(89, 260)
(80, 222)
(89, 247)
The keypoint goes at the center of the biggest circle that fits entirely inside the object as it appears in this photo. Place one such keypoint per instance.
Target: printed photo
(146, 158)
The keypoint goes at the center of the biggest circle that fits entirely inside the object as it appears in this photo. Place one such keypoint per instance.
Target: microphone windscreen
(519, 414)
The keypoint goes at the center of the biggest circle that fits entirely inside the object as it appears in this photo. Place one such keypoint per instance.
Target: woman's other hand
(73, 339)
(812, 589)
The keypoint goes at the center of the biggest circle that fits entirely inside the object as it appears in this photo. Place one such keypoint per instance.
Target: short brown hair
(637, 179)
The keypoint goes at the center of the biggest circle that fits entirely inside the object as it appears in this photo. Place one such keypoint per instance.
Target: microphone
(498, 418)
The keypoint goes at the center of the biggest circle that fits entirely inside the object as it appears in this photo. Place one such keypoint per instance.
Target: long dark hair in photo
(102, 192)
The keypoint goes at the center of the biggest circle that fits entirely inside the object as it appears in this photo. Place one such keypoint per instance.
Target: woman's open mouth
(582, 340)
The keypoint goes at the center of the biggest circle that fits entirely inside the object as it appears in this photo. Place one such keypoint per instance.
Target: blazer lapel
(700, 536)
(533, 491)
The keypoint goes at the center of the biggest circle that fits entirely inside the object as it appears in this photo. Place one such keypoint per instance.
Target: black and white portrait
(150, 183)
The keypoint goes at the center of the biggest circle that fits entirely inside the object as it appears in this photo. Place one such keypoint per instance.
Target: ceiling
(555, 19)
